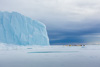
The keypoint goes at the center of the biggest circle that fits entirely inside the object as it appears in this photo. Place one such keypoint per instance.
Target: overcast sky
(67, 21)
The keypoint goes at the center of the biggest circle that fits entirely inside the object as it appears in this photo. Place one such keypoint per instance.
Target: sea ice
(49, 56)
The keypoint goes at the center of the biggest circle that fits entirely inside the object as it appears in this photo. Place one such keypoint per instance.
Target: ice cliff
(21, 30)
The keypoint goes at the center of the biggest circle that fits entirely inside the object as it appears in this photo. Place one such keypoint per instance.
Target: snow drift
(20, 30)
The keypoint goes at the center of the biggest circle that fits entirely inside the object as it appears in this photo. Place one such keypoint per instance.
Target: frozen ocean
(49, 56)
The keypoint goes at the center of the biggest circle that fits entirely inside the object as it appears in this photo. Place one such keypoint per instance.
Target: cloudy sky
(67, 21)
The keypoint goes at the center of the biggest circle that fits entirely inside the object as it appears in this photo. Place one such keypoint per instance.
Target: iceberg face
(18, 29)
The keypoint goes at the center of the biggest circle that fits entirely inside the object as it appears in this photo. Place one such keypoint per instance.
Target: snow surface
(18, 29)
(49, 56)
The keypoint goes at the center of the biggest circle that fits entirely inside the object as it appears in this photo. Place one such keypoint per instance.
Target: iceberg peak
(21, 30)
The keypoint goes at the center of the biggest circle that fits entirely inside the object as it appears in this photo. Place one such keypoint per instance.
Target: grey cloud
(65, 17)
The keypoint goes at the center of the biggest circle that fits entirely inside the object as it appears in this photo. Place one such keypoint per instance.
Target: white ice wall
(18, 29)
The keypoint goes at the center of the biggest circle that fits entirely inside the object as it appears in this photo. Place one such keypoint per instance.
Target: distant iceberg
(21, 30)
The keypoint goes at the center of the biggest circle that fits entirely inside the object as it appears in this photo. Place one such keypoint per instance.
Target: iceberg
(21, 30)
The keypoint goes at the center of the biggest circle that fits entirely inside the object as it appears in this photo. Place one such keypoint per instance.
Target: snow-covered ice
(19, 29)
(49, 56)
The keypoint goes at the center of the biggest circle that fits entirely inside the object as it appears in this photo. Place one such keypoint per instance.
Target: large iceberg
(21, 30)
